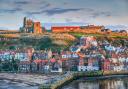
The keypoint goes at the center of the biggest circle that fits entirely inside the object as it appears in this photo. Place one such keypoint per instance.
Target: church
(29, 26)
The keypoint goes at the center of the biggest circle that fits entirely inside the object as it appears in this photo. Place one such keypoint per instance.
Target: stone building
(106, 30)
(59, 29)
(29, 26)
(91, 29)
(81, 29)
(37, 27)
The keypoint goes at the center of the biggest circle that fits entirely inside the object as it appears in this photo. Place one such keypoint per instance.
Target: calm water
(115, 83)
(7, 84)
(118, 83)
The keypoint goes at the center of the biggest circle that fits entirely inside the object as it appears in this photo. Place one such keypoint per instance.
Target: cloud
(45, 5)
(60, 11)
(14, 10)
(98, 14)
(68, 20)
(33, 13)
(55, 11)
(21, 2)
(65, 3)
(2, 0)
(90, 11)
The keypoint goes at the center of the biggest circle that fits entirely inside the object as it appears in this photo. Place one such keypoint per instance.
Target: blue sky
(100, 12)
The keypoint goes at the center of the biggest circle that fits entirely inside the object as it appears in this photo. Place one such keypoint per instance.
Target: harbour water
(7, 84)
(111, 83)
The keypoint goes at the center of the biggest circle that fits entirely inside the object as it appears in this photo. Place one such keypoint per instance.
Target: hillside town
(88, 54)
(63, 44)
(49, 58)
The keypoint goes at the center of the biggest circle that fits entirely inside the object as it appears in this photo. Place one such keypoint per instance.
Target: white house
(118, 68)
(87, 68)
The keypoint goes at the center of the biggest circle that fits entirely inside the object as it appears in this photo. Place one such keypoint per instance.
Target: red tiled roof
(37, 61)
(25, 62)
(53, 60)
(40, 61)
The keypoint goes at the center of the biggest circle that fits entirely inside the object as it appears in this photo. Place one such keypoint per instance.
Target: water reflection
(120, 83)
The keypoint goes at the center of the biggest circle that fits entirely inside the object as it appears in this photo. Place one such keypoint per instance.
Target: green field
(78, 35)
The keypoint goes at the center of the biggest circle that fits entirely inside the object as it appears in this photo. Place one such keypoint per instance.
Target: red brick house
(106, 65)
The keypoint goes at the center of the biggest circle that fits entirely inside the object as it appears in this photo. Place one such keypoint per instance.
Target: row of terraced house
(88, 55)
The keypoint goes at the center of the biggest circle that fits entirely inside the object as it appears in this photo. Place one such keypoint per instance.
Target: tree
(45, 43)
(12, 47)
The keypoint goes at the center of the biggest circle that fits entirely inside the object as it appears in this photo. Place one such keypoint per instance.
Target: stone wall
(37, 27)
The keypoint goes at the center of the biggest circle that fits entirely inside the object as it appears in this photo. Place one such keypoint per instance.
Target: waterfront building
(106, 65)
(24, 66)
(88, 68)
(34, 66)
(44, 66)
(56, 65)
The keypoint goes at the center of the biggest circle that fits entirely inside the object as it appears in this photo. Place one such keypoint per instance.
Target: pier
(66, 78)
(58, 82)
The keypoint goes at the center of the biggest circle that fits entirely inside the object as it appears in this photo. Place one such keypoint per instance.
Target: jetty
(57, 82)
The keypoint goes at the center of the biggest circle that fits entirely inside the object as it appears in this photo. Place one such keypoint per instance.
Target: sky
(99, 12)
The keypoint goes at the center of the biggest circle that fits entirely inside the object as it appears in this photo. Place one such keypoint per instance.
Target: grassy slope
(78, 35)
(41, 41)
(52, 40)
